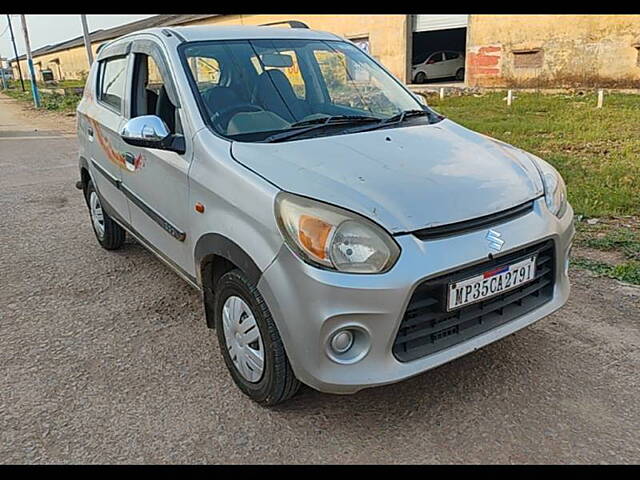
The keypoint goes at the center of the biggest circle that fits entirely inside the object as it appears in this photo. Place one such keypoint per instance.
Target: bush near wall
(50, 101)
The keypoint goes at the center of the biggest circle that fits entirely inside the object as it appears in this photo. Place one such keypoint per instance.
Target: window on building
(112, 82)
(362, 43)
(528, 59)
(47, 75)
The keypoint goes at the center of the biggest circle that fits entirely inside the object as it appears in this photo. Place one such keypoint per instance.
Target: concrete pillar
(408, 47)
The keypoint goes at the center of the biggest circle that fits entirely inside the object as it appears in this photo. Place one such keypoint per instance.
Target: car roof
(243, 32)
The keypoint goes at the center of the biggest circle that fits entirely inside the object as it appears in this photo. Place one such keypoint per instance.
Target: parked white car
(339, 240)
(440, 64)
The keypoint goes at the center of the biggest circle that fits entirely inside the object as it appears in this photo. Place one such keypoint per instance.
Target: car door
(434, 65)
(156, 181)
(99, 127)
(451, 63)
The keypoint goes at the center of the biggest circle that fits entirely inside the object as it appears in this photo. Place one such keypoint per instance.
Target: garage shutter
(425, 23)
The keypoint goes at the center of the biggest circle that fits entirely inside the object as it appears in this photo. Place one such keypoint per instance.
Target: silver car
(343, 234)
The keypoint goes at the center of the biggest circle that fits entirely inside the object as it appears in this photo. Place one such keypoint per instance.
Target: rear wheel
(460, 74)
(250, 342)
(110, 235)
(421, 77)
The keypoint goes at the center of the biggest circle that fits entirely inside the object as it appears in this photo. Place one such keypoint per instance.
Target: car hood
(406, 178)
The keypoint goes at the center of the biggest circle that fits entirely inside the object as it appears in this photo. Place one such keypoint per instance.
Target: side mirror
(421, 97)
(150, 131)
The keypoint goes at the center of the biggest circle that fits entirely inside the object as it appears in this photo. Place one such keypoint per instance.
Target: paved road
(104, 357)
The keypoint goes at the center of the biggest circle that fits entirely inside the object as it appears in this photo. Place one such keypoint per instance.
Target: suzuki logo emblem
(495, 242)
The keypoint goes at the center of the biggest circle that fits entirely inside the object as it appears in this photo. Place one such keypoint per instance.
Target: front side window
(150, 95)
(435, 58)
(262, 87)
(112, 82)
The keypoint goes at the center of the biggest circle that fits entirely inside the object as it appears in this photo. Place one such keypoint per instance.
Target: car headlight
(555, 191)
(333, 238)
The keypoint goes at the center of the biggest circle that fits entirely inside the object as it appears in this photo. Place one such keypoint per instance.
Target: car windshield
(254, 90)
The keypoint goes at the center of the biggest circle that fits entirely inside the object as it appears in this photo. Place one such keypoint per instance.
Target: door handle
(90, 133)
(130, 161)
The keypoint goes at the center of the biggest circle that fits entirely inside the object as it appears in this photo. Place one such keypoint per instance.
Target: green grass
(597, 151)
(58, 84)
(617, 235)
(622, 239)
(628, 272)
(69, 83)
(48, 101)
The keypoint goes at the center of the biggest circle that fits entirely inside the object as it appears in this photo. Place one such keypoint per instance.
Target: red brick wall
(484, 65)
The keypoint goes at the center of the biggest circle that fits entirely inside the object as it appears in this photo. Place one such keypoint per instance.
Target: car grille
(467, 226)
(428, 327)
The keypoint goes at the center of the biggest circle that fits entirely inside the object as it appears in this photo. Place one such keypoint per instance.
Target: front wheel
(250, 343)
(421, 77)
(460, 74)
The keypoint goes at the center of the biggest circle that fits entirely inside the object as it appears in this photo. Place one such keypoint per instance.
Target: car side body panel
(238, 203)
(100, 127)
(156, 182)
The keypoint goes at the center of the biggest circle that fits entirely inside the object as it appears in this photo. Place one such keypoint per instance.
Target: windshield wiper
(393, 120)
(333, 118)
(305, 126)
(400, 117)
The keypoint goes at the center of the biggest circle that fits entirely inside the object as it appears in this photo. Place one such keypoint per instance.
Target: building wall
(73, 64)
(387, 33)
(545, 51)
(534, 51)
(387, 39)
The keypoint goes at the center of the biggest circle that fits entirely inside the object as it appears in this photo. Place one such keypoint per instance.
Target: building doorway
(438, 48)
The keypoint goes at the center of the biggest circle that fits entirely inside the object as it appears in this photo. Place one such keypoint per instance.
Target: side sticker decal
(113, 155)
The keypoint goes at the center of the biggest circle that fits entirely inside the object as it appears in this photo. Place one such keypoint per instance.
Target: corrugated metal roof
(115, 32)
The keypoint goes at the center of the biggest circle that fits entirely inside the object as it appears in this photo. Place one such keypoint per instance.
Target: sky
(49, 29)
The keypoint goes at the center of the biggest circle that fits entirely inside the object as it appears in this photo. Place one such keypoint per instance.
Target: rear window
(112, 82)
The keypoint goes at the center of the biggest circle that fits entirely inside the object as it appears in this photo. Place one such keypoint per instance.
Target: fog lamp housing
(348, 344)
(342, 341)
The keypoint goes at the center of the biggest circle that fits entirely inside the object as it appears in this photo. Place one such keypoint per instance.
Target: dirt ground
(105, 358)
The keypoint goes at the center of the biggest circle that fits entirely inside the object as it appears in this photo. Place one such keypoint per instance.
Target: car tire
(239, 306)
(421, 77)
(110, 235)
(460, 74)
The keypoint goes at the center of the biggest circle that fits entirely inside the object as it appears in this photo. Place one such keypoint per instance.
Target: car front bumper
(309, 304)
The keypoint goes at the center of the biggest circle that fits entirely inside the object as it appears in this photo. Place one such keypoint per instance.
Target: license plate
(490, 283)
